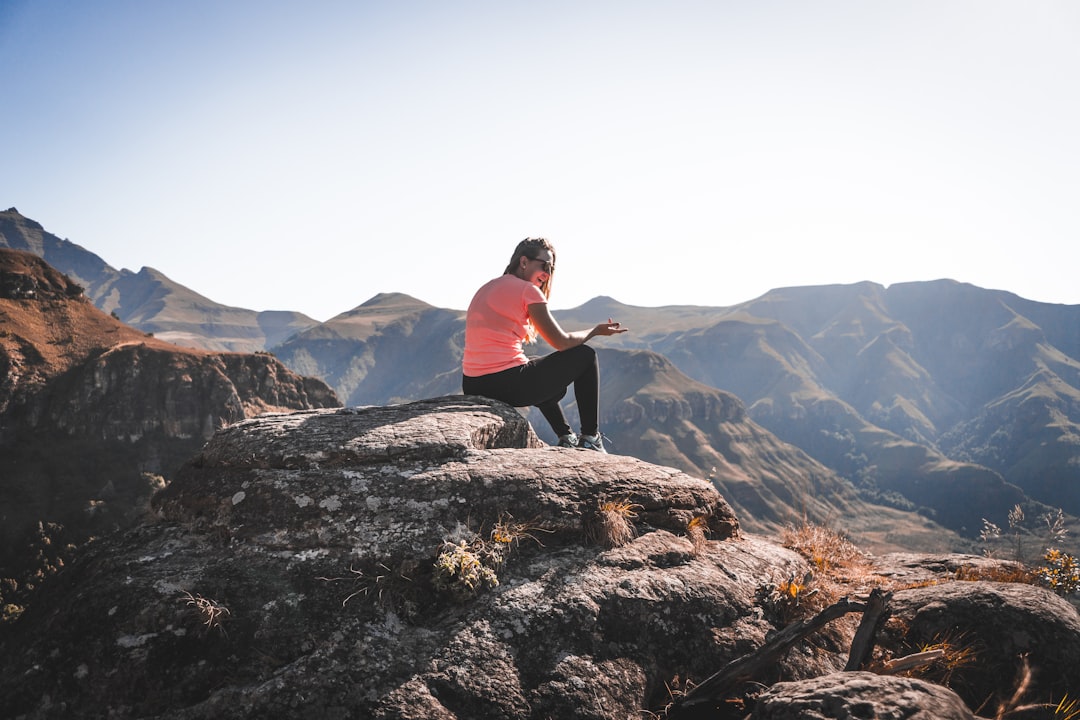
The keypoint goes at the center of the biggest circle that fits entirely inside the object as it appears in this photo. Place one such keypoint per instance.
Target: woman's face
(536, 269)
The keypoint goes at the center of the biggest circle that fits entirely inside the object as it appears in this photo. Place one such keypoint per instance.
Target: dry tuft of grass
(698, 532)
(1007, 574)
(613, 525)
(510, 532)
(838, 568)
(1067, 709)
(211, 612)
(827, 549)
(387, 587)
(946, 653)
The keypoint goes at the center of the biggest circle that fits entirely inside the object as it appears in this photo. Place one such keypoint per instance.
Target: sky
(279, 155)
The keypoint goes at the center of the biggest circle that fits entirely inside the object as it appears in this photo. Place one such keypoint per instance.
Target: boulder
(432, 559)
(850, 695)
(996, 633)
(436, 560)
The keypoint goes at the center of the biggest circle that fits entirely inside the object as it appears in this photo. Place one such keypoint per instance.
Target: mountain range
(906, 412)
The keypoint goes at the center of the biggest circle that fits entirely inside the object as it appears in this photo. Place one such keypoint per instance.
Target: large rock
(295, 570)
(435, 560)
(850, 695)
(994, 630)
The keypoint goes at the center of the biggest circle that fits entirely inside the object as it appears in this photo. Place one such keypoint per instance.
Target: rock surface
(851, 695)
(997, 628)
(435, 560)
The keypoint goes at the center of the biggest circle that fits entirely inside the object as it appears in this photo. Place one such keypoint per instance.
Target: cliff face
(134, 390)
(90, 406)
(435, 560)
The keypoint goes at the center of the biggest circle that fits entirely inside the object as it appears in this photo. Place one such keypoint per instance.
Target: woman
(512, 309)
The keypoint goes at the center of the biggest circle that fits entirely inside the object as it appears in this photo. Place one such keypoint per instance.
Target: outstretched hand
(609, 328)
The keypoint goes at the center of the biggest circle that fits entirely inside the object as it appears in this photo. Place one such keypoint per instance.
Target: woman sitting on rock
(512, 309)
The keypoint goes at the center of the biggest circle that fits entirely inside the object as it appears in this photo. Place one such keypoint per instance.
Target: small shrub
(789, 599)
(10, 612)
(464, 569)
(1061, 573)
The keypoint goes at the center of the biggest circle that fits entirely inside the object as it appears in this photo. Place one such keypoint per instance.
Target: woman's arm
(556, 337)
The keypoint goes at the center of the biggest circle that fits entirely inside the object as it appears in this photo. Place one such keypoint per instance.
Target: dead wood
(716, 687)
(863, 644)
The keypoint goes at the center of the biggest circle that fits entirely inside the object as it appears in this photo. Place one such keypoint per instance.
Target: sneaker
(568, 441)
(592, 442)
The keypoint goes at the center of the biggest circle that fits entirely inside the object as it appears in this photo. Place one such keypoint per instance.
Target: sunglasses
(548, 264)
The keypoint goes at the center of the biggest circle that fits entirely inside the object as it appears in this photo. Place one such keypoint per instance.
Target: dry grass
(1008, 574)
(828, 550)
(510, 532)
(839, 569)
(698, 532)
(387, 587)
(211, 612)
(613, 525)
(950, 652)
(1067, 709)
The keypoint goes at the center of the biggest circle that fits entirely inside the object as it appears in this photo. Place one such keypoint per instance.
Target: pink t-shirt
(495, 325)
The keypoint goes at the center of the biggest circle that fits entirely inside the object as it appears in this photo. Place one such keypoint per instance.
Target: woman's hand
(609, 328)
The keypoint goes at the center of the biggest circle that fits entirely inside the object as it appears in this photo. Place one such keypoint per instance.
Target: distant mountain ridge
(149, 300)
(928, 389)
(938, 396)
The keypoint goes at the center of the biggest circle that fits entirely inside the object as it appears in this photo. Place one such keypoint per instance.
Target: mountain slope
(150, 301)
(391, 348)
(657, 412)
(941, 365)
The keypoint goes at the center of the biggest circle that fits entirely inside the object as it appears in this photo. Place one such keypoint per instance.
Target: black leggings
(543, 381)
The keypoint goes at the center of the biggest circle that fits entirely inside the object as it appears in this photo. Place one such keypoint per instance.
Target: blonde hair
(527, 248)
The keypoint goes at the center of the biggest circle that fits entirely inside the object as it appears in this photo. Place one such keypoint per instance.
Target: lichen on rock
(294, 570)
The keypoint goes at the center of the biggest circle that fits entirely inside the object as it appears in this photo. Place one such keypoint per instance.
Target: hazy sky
(305, 156)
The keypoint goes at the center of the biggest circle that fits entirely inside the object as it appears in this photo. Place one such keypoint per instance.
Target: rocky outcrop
(860, 695)
(435, 560)
(91, 410)
(999, 631)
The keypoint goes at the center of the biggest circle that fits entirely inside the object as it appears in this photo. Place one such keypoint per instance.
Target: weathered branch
(714, 688)
(863, 644)
(910, 661)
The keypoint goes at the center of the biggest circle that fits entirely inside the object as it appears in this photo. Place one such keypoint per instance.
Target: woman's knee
(583, 351)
